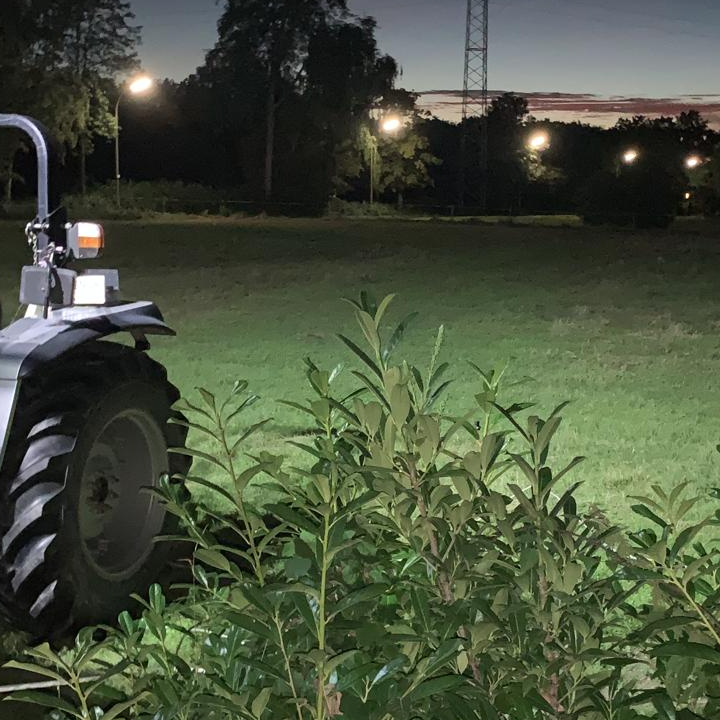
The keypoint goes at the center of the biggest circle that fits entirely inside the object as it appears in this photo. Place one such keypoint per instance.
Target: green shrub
(343, 208)
(137, 198)
(417, 566)
(18, 211)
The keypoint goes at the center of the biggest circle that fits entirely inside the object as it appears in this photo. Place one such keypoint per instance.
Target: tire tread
(51, 411)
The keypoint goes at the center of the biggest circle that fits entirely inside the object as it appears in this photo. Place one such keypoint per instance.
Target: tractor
(86, 428)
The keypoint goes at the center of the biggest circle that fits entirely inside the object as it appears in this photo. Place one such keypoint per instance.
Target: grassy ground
(625, 325)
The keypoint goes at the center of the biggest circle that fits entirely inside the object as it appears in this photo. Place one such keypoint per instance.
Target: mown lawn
(625, 325)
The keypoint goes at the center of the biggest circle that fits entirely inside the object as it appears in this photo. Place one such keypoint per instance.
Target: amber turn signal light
(86, 240)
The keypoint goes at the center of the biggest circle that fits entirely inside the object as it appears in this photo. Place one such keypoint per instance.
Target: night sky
(606, 58)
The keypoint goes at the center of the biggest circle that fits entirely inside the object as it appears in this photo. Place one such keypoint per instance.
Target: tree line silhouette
(288, 107)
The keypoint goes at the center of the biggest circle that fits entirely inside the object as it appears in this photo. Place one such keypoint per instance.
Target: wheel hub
(119, 516)
(101, 498)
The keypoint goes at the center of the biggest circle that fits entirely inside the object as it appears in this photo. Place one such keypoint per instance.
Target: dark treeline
(290, 105)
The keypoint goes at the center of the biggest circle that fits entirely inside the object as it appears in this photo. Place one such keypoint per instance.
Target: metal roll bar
(41, 139)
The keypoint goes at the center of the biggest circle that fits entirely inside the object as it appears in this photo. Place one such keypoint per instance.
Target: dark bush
(645, 195)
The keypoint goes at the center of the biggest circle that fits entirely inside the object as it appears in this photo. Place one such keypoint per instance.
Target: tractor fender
(30, 345)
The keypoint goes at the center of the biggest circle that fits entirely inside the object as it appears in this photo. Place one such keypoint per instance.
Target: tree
(274, 36)
(59, 60)
(645, 194)
(18, 27)
(346, 76)
(507, 162)
(404, 160)
(306, 144)
(90, 44)
(708, 191)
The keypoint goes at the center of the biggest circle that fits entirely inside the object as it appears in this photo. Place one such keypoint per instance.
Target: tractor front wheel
(78, 518)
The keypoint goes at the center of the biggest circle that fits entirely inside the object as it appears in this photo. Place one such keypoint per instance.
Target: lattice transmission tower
(475, 97)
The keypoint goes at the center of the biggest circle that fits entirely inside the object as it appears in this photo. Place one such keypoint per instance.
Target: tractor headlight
(90, 290)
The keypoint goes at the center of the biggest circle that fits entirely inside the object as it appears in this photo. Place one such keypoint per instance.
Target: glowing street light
(539, 141)
(391, 125)
(693, 161)
(630, 156)
(139, 85)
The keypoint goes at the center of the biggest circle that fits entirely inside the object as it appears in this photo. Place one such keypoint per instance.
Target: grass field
(625, 325)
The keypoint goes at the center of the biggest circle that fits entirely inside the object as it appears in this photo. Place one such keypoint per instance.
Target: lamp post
(537, 143)
(373, 155)
(138, 86)
(388, 126)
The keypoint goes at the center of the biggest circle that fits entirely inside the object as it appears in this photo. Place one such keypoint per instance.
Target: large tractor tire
(77, 520)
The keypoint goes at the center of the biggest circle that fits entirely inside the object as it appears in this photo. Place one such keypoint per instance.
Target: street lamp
(630, 156)
(373, 156)
(693, 161)
(391, 125)
(388, 126)
(139, 85)
(539, 141)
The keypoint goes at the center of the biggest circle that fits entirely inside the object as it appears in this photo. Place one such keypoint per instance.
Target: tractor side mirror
(85, 240)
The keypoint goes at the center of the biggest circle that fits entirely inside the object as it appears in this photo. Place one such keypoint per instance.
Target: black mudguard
(33, 344)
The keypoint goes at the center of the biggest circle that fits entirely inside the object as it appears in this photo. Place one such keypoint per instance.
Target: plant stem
(288, 668)
(552, 692)
(320, 701)
(697, 608)
(240, 503)
(443, 578)
(77, 687)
